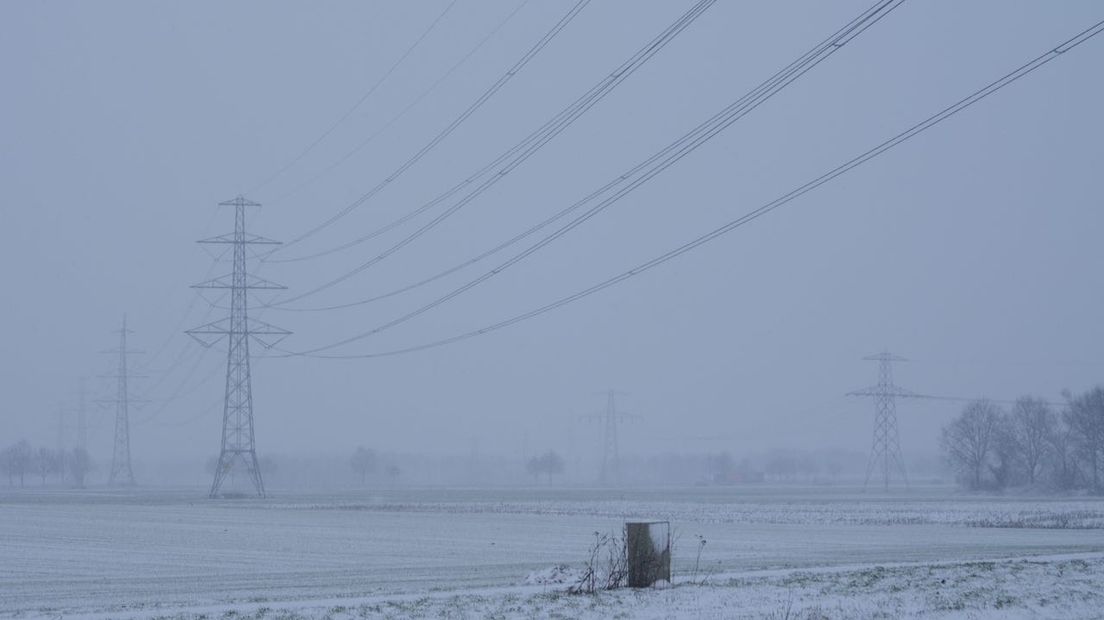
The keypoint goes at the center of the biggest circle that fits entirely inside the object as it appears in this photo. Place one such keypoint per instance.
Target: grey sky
(973, 250)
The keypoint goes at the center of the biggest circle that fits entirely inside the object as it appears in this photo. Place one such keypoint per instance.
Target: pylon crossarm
(251, 282)
(132, 400)
(239, 201)
(267, 335)
(131, 375)
(247, 238)
(886, 390)
(222, 327)
(259, 327)
(885, 357)
(207, 335)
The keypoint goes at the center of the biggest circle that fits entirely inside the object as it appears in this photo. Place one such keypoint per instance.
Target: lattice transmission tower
(611, 457)
(61, 452)
(238, 447)
(121, 470)
(885, 451)
(82, 421)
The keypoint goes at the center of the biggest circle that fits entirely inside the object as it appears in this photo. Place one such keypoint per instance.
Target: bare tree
(782, 465)
(363, 462)
(393, 472)
(808, 466)
(606, 568)
(1033, 425)
(47, 462)
(548, 464)
(968, 440)
(720, 467)
(1007, 464)
(78, 464)
(1061, 456)
(533, 467)
(1085, 418)
(18, 460)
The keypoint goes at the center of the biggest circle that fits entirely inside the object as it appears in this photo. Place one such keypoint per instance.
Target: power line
(969, 399)
(1008, 362)
(165, 344)
(184, 387)
(482, 99)
(714, 234)
(329, 130)
(520, 152)
(211, 408)
(187, 348)
(410, 106)
(562, 120)
(187, 311)
(185, 353)
(669, 155)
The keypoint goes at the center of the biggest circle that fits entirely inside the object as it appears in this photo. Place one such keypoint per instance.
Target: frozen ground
(439, 553)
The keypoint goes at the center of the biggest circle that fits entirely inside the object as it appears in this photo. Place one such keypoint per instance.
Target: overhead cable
(344, 117)
(451, 127)
(667, 156)
(750, 216)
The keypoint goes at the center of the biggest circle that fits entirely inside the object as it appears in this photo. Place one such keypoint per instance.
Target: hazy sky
(973, 250)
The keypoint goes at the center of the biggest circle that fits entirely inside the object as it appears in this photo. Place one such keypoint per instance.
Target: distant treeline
(1032, 444)
(20, 461)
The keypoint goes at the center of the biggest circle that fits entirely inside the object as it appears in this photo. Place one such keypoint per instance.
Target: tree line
(1032, 444)
(21, 460)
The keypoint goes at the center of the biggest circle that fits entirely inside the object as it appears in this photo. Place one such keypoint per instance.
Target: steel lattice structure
(121, 470)
(611, 457)
(238, 448)
(885, 450)
(82, 423)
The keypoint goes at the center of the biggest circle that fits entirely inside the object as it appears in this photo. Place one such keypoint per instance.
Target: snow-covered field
(468, 553)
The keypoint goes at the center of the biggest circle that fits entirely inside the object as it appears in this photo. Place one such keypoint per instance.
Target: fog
(972, 250)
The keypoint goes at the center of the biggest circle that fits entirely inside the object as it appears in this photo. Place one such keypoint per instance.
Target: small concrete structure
(647, 553)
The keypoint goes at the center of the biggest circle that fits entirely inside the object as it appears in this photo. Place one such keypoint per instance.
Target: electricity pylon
(611, 458)
(62, 456)
(238, 447)
(61, 429)
(82, 423)
(885, 451)
(121, 471)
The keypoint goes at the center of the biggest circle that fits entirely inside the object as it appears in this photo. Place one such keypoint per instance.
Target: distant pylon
(75, 463)
(82, 423)
(121, 471)
(61, 429)
(885, 450)
(238, 447)
(61, 453)
(611, 457)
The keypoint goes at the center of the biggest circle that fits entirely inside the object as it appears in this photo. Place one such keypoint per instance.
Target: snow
(560, 574)
(511, 553)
